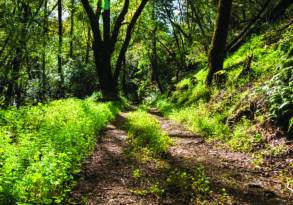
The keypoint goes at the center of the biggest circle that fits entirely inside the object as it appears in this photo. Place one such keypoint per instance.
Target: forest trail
(107, 176)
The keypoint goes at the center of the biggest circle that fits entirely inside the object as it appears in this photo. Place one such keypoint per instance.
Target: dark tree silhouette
(279, 10)
(103, 46)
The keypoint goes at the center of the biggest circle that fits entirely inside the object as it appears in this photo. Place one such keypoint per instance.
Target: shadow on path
(106, 177)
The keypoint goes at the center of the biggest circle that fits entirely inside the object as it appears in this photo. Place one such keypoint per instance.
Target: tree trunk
(154, 59)
(103, 68)
(217, 50)
(71, 29)
(279, 10)
(45, 38)
(126, 42)
(60, 92)
(88, 45)
(104, 47)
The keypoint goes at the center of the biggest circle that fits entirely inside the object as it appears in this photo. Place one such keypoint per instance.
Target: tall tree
(217, 48)
(104, 45)
(71, 28)
(154, 56)
(60, 35)
(45, 38)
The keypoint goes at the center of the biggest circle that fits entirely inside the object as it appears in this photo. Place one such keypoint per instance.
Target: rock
(254, 186)
(270, 194)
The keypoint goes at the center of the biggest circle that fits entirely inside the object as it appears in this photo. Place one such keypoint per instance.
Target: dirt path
(106, 177)
(230, 170)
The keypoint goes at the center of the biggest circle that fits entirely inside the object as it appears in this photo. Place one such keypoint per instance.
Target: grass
(145, 134)
(244, 137)
(199, 120)
(148, 141)
(42, 148)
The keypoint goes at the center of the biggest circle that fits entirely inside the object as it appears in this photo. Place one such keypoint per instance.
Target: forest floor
(107, 176)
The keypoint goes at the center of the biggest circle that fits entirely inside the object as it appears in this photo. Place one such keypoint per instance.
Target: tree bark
(128, 38)
(217, 50)
(104, 47)
(279, 10)
(88, 46)
(154, 56)
(60, 92)
(71, 29)
(45, 38)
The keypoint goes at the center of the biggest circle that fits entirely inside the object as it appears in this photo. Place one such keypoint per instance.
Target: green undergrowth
(254, 88)
(188, 184)
(145, 134)
(148, 143)
(42, 148)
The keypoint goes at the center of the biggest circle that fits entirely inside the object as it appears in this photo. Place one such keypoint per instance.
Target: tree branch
(118, 24)
(94, 20)
(128, 38)
(237, 40)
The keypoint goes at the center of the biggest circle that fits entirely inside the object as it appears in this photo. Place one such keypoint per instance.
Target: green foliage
(200, 120)
(208, 112)
(279, 95)
(42, 148)
(290, 125)
(164, 106)
(80, 78)
(145, 133)
(195, 183)
(190, 90)
(266, 57)
(243, 137)
(187, 183)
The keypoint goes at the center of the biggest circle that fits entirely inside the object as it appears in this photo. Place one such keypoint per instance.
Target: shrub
(164, 106)
(243, 137)
(279, 96)
(191, 90)
(42, 147)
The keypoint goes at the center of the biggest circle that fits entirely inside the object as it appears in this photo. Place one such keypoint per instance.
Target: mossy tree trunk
(217, 48)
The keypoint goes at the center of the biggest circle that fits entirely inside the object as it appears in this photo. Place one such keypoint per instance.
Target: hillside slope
(251, 108)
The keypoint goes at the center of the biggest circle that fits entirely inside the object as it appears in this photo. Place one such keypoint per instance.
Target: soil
(107, 176)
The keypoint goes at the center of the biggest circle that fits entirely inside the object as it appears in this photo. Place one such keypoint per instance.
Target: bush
(279, 96)
(244, 138)
(191, 90)
(164, 106)
(80, 78)
(42, 148)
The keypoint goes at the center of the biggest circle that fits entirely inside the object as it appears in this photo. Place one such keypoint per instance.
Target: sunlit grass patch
(201, 121)
(146, 134)
(42, 148)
